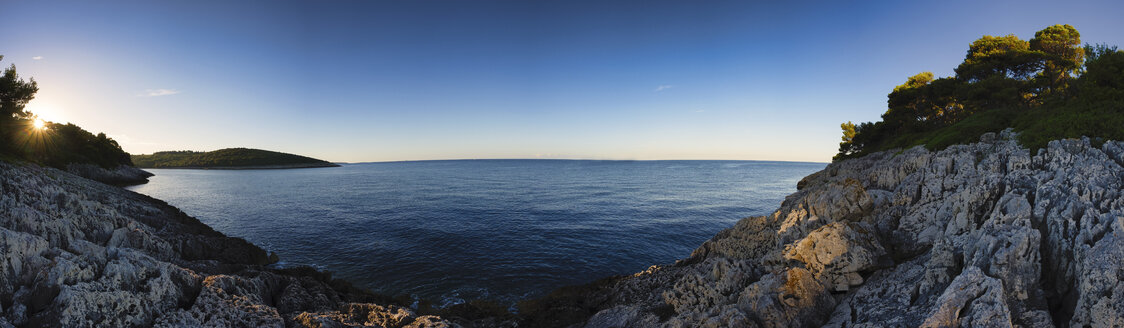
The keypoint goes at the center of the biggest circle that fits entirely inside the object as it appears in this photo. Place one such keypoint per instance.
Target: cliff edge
(978, 235)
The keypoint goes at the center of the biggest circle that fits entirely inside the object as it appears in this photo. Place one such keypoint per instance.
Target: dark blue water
(496, 229)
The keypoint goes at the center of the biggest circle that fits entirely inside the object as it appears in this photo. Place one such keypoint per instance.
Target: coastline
(80, 253)
(121, 176)
(249, 167)
(978, 234)
(983, 234)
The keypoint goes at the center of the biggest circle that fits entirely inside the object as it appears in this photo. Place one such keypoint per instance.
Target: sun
(39, 124)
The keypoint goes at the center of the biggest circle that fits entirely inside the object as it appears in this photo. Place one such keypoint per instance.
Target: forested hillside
(223, 158)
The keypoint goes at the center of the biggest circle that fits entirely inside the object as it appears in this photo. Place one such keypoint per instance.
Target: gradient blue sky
(396, 80)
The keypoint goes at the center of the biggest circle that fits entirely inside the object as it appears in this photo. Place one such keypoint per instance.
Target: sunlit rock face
(979, 235)
(79, 253)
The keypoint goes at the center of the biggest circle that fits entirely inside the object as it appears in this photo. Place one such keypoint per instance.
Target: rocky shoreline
(78, 253)
(122, 175)
(985, 234)
(979, 235)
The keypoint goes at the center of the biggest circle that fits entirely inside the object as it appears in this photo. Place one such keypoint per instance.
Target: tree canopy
(1048, 87)
(1061, 45)
(15, 93)
(1004, 56)
(50, 144)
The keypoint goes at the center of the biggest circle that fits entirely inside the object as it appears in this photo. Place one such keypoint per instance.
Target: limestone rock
(80, 253)
(838, 253)
(972, 300)
(121, 175)
(984, 234)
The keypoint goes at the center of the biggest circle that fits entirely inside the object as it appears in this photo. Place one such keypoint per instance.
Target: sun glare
(39, 124)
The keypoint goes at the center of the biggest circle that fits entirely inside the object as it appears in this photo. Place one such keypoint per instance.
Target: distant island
(228, 159)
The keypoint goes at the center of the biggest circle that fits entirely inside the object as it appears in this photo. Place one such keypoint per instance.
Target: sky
(361, 81)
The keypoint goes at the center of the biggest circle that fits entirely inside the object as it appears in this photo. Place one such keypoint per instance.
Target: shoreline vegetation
(247, 167)
(227, 159)
(977, 230)
(1051, 87)
(974, 253)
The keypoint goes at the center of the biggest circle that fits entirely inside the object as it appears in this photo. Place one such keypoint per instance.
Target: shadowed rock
(984, 234)
(79, 253)
(974, 235)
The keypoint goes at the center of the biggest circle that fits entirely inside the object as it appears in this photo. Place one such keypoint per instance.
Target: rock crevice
(983, 234)
(79, 253)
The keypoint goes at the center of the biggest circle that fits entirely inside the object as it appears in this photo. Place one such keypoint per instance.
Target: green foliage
(1104, 75)
(964, 131)
(54, 145)
(916, 81)
(1094, 52)
(71, 144)
(1100, 120)
(1095, 110)
(1006, 56)
(1062, 45)
(230, 157)
(847, 146)
(1039, 87)
(848, 131)
(14, 94)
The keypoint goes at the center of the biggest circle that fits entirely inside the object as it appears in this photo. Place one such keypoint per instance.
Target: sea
(499, 230)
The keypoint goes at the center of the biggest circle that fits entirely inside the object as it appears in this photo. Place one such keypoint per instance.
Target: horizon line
(575, 159)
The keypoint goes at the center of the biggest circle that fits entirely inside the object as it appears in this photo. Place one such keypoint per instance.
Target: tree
(846, 147)
(14, 95)
(1103, 79)
(1062, 44)
(916, 81)
(1046, 88)
(15, 92)
(1005, 56)
(1094, 52)
(902, 110)
(848, 131)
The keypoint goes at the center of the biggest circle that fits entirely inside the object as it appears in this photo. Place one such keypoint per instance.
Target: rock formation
(78, 253)
(122, 175)
(979, 235)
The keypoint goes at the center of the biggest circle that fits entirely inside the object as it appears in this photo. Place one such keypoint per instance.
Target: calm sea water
(497, 229)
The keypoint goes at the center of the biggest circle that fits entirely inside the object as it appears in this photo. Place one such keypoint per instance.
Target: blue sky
(412, 80)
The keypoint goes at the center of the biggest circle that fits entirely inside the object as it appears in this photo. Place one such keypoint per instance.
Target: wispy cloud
(663, 87)
(158, 92)
(37, 57)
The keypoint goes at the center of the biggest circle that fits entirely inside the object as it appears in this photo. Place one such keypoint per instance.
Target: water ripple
(451, 231)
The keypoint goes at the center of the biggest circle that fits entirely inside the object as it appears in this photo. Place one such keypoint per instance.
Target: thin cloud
(158, 92)
(662, 88)
(37, 57)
